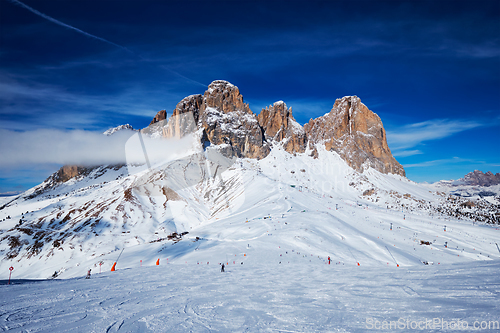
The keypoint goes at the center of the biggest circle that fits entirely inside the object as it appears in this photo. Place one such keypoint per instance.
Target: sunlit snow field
(261, 297)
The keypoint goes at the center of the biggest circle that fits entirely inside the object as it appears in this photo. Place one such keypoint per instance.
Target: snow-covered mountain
(474, 178)
(215, 183)
(475, 185)
(113, 130)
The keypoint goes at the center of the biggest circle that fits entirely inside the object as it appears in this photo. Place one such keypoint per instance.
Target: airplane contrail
(53, 20)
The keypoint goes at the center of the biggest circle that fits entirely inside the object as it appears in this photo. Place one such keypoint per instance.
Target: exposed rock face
(189, 104)
(356, 134)
(225, 97)
(224, 118)
(161, 115)
(184, 118)
(227, 120)
(67, 172)
(350, 129)
(279, 125)
(478, 178)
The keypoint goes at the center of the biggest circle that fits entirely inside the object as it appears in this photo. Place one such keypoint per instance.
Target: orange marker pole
(158, 262)
(113, 268)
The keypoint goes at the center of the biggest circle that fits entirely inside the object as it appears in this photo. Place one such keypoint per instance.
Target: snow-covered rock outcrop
(356, 134)
(350, 128)
(279, 125)
(111, 131)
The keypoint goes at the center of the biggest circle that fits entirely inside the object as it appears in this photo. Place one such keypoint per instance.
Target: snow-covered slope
(280, 209)
(399, 252)
(303, 296)
(487, 194)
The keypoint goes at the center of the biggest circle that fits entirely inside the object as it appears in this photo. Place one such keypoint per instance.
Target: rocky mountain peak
(190, 103)
(356, 134)
(279, 125)
(225, 120)
(161, 115)
(228, 121)
(478, 178)
(350, 128)
(224, 97)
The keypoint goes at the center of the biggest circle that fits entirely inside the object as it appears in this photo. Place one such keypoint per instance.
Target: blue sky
(429, 69)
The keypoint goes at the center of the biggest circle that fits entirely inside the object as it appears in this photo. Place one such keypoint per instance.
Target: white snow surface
(258, 296)
(274, 223)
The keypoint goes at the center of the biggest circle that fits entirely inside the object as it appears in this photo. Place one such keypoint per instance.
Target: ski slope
(273, 222)
(281, 203)
(303, 296)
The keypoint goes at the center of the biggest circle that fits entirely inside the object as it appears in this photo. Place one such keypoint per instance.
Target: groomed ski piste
(395, 262)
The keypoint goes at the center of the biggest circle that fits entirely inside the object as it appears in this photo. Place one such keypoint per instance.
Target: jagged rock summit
(350, 129)
(356, 134)
(161, 115)
(224, 120)
(279, 125)
(478, 178)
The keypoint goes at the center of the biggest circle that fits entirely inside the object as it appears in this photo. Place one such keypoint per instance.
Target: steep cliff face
(161, 115)
(68, 172)
(225, 97)
(227, 120)
(350, 128)
(184, 118)
(356, 134)
(279, 125)
(224, 119)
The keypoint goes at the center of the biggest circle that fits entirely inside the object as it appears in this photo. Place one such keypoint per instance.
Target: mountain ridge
(350, 128)
(479, 178)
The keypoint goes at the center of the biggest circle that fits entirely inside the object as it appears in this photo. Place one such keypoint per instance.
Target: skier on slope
(88, 274)
(222, 268)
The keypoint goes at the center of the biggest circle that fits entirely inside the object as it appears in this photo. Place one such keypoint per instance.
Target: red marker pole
(100, 264)
(10, 273)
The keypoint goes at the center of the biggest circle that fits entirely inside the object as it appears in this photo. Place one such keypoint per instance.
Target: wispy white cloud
(136, 55)
(412, 135)
(51, 106)
(445, 161)
(62, 24)
(406, 153)
(61, 147)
